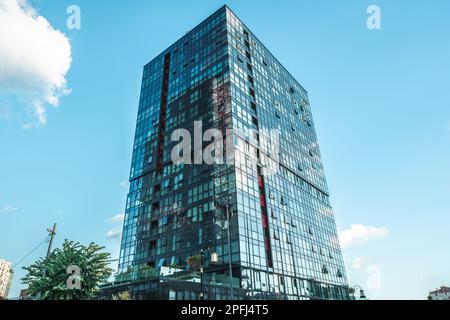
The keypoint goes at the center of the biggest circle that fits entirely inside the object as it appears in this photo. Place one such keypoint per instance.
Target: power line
(31, 252)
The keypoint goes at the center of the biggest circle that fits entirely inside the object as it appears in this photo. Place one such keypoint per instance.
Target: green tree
(125, 295)
(57, 278)
(194, 262)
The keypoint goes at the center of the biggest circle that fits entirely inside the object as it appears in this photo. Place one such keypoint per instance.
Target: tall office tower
(266, 208)
(6, 275)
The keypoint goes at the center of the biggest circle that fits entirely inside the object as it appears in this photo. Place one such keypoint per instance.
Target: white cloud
(114, 234)
(124, 184)
(117, 218)
(34, 59)
(359, 263)
(359, 234)
(8, 209)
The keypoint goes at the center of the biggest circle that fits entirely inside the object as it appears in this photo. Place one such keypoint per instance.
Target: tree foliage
(195, 262)
(125, 295)
(53, 278)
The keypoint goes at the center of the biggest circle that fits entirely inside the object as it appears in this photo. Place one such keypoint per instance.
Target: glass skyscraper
(267, 209)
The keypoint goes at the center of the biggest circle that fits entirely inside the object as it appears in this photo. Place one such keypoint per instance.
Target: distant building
(25, 295)
(440, 294)
(6, 275)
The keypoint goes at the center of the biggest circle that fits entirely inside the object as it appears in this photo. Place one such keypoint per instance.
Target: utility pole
(52, 233)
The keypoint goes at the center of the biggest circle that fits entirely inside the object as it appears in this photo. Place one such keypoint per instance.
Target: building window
(161, 263)
(255, 121)
(277, 114)
(163, 221)
(288, 239)
(274, 216)
(275, 235)
(324, 269)
(293, 223)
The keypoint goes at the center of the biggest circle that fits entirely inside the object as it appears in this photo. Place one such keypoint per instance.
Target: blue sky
(380, 100)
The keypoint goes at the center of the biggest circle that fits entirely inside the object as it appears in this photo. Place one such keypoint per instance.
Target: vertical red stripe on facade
(265, 219)
(162, 113)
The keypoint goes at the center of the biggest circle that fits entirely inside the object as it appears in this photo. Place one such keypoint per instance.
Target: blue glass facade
(282, 238)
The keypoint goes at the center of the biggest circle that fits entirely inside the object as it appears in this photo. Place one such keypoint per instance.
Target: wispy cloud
(114, 234)
(8, 209)
(359, 234)
(34, 61)
(359, 263)
(116, 219)
(124, 184)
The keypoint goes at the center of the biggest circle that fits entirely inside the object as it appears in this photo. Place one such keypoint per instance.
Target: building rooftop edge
(225, 7)
(186, 34)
